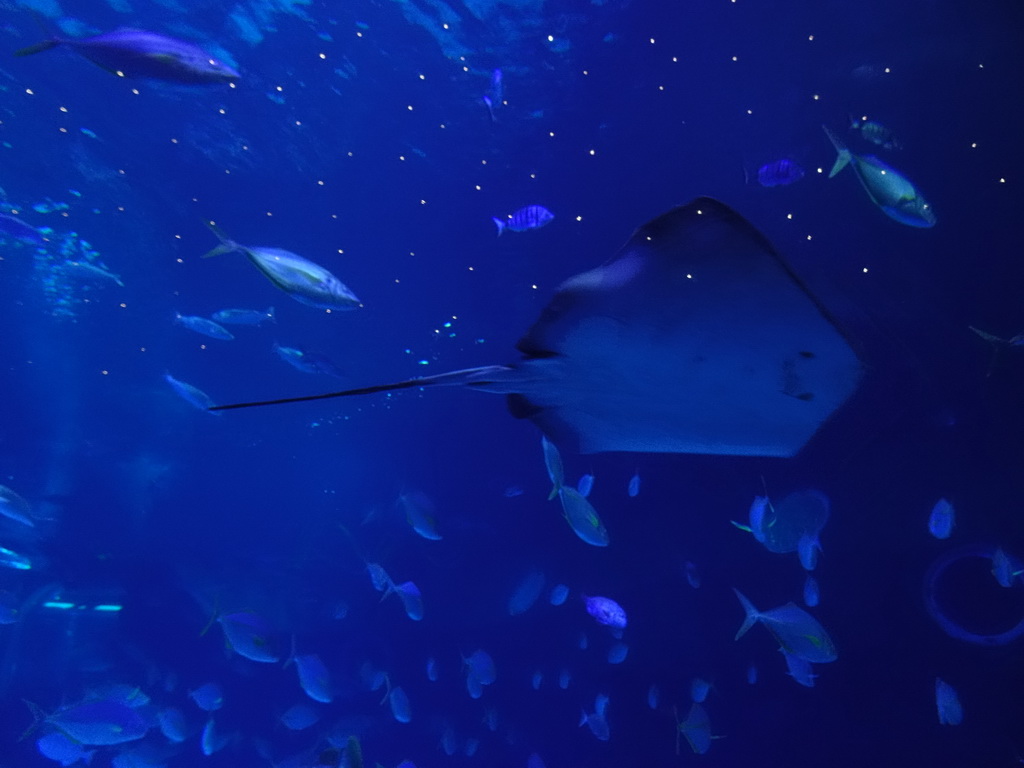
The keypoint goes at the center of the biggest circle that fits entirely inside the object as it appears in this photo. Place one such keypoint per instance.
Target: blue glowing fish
(400, 707)
(203, 326)
(696, 729)
(942, 519)
(419, 513)
(795, 630)
(306, 282)
(605, 611)
(308, 362)
(779, 173)
(947, 703)
(208, 697)
(190, 394)
(582, 517)
(137, 53)
(887, 188)
(249, 635)
(96, 722)
(244, 316)
(530, 217)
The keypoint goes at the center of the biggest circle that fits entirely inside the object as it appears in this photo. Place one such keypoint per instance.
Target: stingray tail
(45, 45)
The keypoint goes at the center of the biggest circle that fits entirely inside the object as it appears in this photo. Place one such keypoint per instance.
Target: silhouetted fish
(779, 174)
(137, 53)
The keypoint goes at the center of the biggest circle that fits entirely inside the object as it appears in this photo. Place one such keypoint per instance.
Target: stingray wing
(695, 338)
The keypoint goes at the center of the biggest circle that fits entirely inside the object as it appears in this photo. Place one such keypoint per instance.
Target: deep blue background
(176, 513)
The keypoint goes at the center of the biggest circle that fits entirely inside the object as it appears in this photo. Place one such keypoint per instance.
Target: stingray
(696, 337)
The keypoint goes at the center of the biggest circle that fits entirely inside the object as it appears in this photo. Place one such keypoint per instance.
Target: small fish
(136, 53)
(494, 98)
(411, 599)
(530, 217)
(1004, 569)
(605, 611)
(399, 702)
(808, 548)
(761, 517)
(308, 362)
(15, 508)
(564, 679)
(596, 720)
(432, 673)
(314, 679)
(249, 635)
(692, 574)
(585, 485)
(63, 749)
(699, 688)
(780, 173)
(203, 326)
(244, 316)
(208, 697)
(212, 741)
(172, 724)
(696, 729)
(582, 517)
(553, 464)
(875, 132)
(303, 280)
(13, 227)
(559, 594)
(96, 723)
(811, 592)
(947, 703)
(10, 559)
(942, 519)
(653, 696)
(192, 395)
(419, 513)
(617, 653)
(798, 668)
(633, 489)
(381, 581)
(299, 717)
(480, 666)
(886, 187)
(86, 270)
(795, 630)
(526, 593)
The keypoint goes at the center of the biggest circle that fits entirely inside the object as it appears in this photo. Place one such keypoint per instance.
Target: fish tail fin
(844, 154)
(38, 716)
(555, 490)
(583, 717)
(854, 122)
(752, 614)
(227, 245)
(216, 610)
(499, 224)
(45, 45)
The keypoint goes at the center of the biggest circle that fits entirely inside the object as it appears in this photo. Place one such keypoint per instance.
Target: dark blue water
(357, 137)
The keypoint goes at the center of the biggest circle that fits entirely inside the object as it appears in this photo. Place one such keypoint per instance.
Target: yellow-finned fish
(888, 188)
